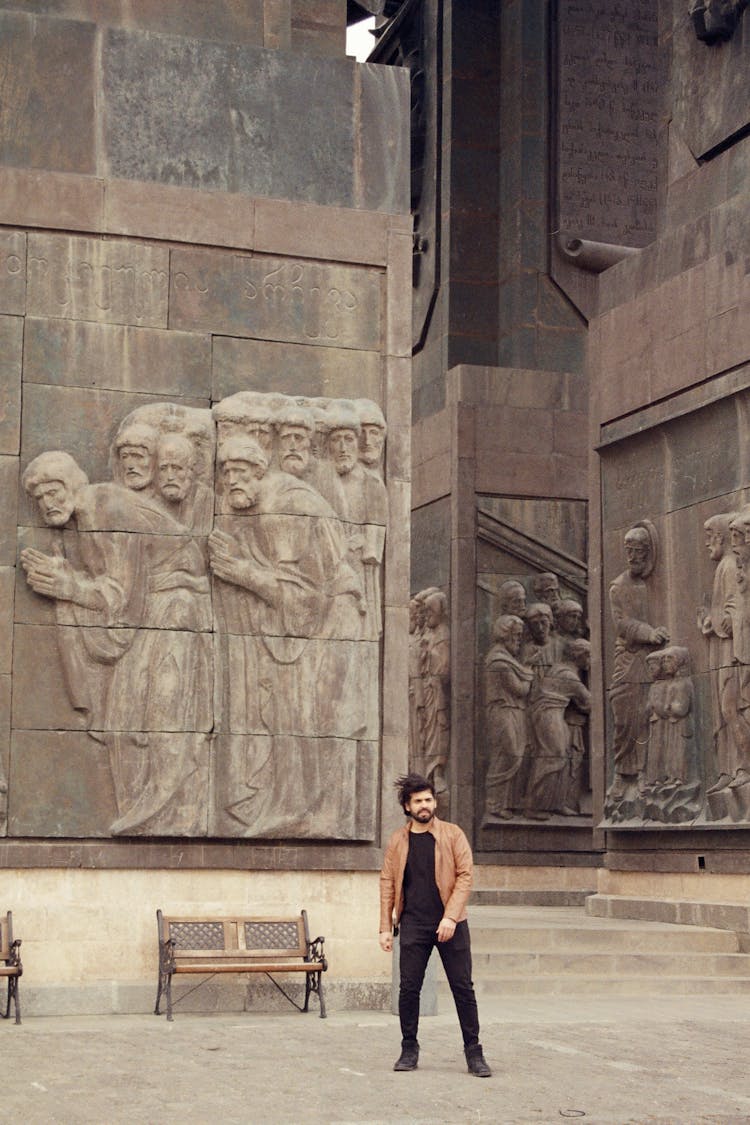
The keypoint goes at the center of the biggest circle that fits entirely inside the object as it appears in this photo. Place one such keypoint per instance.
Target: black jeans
(415, 947)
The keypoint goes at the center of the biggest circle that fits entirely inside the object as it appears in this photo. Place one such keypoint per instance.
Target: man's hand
(446, 929)
(49, 575)
(385, 937)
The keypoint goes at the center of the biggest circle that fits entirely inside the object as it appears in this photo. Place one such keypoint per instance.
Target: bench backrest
(6, 936)
(249, 938)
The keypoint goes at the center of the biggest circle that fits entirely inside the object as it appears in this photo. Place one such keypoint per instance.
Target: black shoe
(476, 1062)
(408, 1058)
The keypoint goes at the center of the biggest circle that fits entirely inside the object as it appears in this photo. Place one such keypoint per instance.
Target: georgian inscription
(89, 279)
(276, 299)
(607, 121)
(13, 272)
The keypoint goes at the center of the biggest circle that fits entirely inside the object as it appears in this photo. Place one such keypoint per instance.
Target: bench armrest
(315, 952)
(15, 957)
(166, 955)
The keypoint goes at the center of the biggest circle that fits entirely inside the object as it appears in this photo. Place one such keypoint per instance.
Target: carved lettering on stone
(291, 687)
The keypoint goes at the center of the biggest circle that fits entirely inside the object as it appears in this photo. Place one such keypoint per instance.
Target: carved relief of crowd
(218, 609)
(429, 689)
(659, 771)
(535, 704)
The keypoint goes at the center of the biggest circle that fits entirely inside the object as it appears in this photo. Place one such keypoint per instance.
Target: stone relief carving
(429, 687)
(252, 633)
(715, 21)
(535, 704)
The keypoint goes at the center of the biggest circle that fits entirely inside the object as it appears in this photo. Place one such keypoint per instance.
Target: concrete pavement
(623, 1061)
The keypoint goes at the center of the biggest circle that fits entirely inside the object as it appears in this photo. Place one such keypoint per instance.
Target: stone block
(234, 21)
(726, 342)
(704, 455)
(311, 231)
(241, 364)
(509, 429)
(117, 357)
(252, 126)
(395, 673)
(397, 543)
(112, 282)
(13, 272)
(275, 299)
(36, 647)
(47, 118)
(382, 146)
(430, 556)
(50, 199)
(8, 509)
(11, 347)
(178, 214)
(678, 361)
(62, 785)
(7, 587)
(431, 479)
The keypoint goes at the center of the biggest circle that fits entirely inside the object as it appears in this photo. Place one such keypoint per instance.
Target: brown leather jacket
(454, 868)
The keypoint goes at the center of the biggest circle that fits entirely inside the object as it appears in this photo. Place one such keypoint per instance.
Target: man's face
(343, 445)
(539, 627)
(715, 544)
(570, 621)
(515, 601)
(56, 502)
(636, 556)
(174, 473)
(294, 449)
(513, 643)
(242, 483)
(137, 466)
(421, 806)
(550, 593)
(371, 443)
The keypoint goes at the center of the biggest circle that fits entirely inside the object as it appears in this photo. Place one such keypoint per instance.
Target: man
(189, 499)
(424, 887)
(295, 427)
(372, 433)
(135, 456)
(507, 684)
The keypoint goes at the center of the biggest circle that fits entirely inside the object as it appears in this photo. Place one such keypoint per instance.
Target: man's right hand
(385, 937)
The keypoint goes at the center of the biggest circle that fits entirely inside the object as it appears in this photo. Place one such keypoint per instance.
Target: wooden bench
(11, 966)
(239, 945)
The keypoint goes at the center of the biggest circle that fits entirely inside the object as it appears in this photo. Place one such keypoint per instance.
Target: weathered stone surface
(91, 279)
(632, 481)
(430, 555)
(57, 200)
(607, 152)
(179, 214)
(47, 118)
(381, 169)
(35, 647)
(330, 372)
(704, 454)
(13, 272)
(236, 21)
(124, 358)
(62, 785)
(8, 509)
(7, 585)
(11, 345)
(275, 298)
(252, 127)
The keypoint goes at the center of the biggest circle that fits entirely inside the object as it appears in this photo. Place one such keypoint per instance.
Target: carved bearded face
(513, 599)
(242, 482)
(514, 637)
(137, 466)
(548, 590)
(637, 552)
(295, 444)
(715, 544)
(174, 469)
(540, 626)
(56, 502)
(570, 621)
(371, 443)
(344, 447)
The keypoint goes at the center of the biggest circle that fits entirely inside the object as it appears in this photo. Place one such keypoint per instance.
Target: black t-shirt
(422, 902)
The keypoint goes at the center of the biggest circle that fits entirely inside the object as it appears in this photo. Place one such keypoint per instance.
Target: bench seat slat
(247, 967)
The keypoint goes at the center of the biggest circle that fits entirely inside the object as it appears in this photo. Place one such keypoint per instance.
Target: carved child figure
(669, 709)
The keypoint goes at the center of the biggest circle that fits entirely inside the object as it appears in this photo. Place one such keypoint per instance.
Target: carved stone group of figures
(535, 704)
(218, 611)
(659, 773)
(429, 688)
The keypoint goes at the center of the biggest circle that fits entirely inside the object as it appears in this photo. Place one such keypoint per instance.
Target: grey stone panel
(28, 607)
(254, 365)
(7, 586)
(8, 509)
(632, 481)
(13, 272)
(704, 455)
(62, 785)
(81, 422)
(11, 344)
(115, 357)
(382, 167)
(35, 654)
(114, 282)
(230, 118)
(47, 115)
(234, 21)
(276, 299)
(430, 550)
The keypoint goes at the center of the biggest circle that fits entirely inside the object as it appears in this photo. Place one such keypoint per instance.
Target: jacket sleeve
(387, 889)
(464, 864)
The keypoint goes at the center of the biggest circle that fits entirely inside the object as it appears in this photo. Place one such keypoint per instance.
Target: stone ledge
(714, 915)
(505, 897)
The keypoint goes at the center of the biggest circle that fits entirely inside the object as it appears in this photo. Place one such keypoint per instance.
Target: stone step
(504, 897)
(578, 985)
(498, 965)
(720, 915)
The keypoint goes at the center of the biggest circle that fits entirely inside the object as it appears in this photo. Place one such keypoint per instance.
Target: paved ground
(680, 1061)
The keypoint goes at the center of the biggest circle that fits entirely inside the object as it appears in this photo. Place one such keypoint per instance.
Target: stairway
(522, 949)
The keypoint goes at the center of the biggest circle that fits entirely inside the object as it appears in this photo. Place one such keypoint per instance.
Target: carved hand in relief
(50, 575)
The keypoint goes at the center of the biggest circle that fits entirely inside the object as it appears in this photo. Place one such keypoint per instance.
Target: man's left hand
(446, 929)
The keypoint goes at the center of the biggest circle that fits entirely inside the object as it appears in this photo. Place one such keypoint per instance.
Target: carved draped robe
(558, 745)
(506, 688)
(628, 599)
